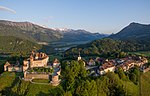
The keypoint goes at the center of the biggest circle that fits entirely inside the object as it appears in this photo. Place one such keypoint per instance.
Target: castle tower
(6, 66)
(79, 57)
(55, 80)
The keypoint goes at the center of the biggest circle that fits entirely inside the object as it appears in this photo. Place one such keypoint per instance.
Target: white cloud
(2, 8)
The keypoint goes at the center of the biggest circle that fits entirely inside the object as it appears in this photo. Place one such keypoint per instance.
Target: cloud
(2, 8)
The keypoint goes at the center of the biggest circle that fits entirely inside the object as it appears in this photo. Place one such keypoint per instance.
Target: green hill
(9, 44)
(104, 46)
(145, 84)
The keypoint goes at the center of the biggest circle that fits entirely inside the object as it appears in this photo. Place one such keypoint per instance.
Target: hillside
(104, 46)
(145, 84)
(9, 44)
(70, 35)
(36, 33)
(29, 31)
(134, 32)
(134, 37)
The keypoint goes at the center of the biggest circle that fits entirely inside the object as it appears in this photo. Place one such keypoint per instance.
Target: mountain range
(134, 37)
(29, 31)
(37, 33)
(80, 35)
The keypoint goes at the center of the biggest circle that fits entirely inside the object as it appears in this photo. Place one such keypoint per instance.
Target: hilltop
(134, 32)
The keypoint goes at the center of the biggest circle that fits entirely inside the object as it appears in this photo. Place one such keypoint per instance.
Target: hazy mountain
(70, 35)
(134, 32)
(27, 30)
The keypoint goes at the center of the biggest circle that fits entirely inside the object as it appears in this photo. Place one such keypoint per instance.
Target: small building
(106, 67)
(91, 62)
(12, 67)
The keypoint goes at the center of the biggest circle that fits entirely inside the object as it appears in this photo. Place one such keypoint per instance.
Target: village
(37, 66)
(100, 66)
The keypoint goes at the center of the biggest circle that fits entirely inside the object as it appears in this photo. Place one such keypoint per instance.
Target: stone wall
(15, 69)
(36, 76)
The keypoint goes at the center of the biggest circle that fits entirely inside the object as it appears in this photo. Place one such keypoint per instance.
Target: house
(12, 67)
(91, 62)
(107, 67)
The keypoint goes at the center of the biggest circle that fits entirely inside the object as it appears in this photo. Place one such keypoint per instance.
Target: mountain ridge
(37, 33)
(34, 31)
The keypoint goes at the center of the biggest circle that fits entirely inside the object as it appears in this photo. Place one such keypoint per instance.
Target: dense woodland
(9, 44)
(106, 46)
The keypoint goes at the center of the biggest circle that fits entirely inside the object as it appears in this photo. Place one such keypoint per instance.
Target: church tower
(79, 57)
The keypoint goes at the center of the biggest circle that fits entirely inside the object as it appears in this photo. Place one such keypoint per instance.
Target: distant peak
(134, 23)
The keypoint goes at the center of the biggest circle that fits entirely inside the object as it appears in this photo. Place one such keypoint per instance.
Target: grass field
(10, 84)
(143, 53)
(41, 80)
(145, 84)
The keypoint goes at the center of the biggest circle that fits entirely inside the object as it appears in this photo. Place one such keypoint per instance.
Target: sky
(103, 16)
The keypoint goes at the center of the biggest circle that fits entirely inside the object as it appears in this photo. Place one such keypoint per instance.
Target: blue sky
(104, 16)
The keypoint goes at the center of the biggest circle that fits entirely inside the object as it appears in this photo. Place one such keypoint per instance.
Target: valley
(84, 59)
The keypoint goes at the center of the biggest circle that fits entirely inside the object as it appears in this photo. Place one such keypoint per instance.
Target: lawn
(10, 84)
(6, 80)
(143, 53)
(145, 84)
(41, 80)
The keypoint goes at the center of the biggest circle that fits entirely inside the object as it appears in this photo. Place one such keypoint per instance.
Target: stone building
(107, 67)
(40, 60)
(12, 67)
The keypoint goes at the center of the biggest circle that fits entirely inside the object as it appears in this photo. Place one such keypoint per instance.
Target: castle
(37, 67)
(36, 60)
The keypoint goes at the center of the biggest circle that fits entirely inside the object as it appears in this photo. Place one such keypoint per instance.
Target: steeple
(79, 57)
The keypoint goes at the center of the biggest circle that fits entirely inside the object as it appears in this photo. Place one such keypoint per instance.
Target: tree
(68, 93)
(121, 74)
(102, 86)
(82, 72)
(87, 88)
